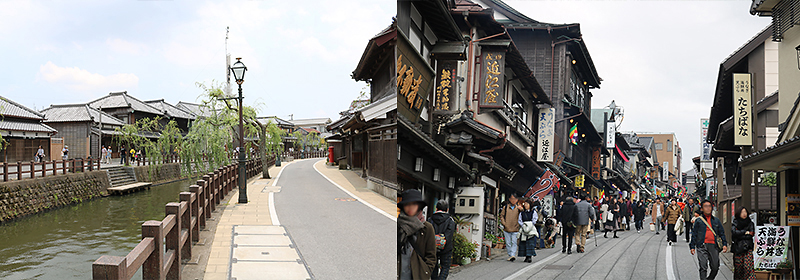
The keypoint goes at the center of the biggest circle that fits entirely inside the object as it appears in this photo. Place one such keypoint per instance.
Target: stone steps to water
(120, 176)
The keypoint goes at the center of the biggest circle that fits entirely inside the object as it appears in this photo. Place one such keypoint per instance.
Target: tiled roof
(170, 110)
(32, 126)
(10, 108)
(78, 113)
(302, 122)
(123, 100)
(199, 110)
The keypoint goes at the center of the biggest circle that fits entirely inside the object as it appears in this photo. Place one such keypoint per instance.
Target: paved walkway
(634, 255)
(323, 222)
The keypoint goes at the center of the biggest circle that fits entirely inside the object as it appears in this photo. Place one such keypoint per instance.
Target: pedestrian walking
(528, 231)
(568, 217)
(655, 212)
(708, 239)
(584, 215)
(444, 227)
(39, 154)
(673, 213)
(742, 231)
(629, 214)
(638, 215)
(688, 211)
(132, 154)
(103, 153)
(416, 243)
(610, 211)
(509, 219)
(539, 223)
(65, 152)
(623, 214)
(122, 155)
(108, 155)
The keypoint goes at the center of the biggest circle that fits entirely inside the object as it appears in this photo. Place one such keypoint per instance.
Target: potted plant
(784, 267)
(463, 249)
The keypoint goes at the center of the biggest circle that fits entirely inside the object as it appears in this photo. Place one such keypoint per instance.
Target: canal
(63, 243)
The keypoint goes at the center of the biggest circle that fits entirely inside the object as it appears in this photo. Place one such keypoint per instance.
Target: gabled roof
(123, 100)
(27, 126)
(198, 110)
(10, 108)
(302, 122)
(378, 52)
(78, 113)
(171, 110)
(278, 121)
(792, 123)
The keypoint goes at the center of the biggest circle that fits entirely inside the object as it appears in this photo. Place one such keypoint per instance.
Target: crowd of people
(526, 228)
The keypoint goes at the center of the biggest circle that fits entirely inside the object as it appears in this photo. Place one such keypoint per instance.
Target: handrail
(178, 231)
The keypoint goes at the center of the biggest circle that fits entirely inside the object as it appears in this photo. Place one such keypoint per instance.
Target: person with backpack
(509, 219)
(528, 232)
(444, 227)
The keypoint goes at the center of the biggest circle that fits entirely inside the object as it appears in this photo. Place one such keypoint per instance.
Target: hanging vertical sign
(493, 85)
(705, 148)
(596, 162)
(414, 80)
(611, 135)
(544, 141)
(742, 110)
(444, 85)
(665, 173)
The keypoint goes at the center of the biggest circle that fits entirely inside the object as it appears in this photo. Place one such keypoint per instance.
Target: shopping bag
(652, 227)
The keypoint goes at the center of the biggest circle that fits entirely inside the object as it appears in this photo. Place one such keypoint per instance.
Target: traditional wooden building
(83, 129)
(198, 110)
(23, 131)
(126, 107)
(367, 137)
(182, 117)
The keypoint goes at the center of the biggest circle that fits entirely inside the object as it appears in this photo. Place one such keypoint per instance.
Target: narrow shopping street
(633, 255)
(333, 230)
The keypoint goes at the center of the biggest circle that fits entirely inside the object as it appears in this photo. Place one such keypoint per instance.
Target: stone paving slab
(265, 252)
(261, 240)
(269, 270)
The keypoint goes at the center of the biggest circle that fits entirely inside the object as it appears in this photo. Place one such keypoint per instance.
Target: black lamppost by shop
(238, 70)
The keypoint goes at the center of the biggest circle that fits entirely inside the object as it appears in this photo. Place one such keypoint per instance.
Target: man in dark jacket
(704, 241)
(568, 217)
(688, 211)
(623, 213)
(416, 243)
(443, 225)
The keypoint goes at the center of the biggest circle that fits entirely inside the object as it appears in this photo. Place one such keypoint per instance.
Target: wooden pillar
(153, 266)
(172, 241)
(200, 213)
(110, 268)
(33, 168)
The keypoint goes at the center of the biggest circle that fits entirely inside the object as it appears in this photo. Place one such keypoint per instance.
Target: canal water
(63, 243)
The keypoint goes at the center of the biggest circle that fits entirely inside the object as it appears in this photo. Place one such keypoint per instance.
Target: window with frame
(659, 146)
(669, 146)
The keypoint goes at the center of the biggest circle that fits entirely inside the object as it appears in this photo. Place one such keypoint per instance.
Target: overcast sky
(299, 53)
(658, 59)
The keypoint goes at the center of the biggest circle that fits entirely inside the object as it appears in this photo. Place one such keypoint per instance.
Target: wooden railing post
(173, 242)
(188, 222)
(153, 267)
(211, 199)
(63, 166)
(44, 168)
(200, 200)
(5, 171)
(194, 218)
(218, 183)
(206, 197)
(110, 268)
(33, 168)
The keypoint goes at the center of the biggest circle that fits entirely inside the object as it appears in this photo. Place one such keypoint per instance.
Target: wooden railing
(165, 243)
(41, 169)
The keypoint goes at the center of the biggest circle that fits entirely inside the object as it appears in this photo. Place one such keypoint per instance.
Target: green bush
(463, 249)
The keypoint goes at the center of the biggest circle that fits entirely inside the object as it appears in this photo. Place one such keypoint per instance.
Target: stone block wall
(26, 197)
(164, 172)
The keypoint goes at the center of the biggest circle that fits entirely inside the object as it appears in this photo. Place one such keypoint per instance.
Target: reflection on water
(63, 243)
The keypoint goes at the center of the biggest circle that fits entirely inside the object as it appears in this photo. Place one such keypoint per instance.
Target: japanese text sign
(493, 81)
(771, 246)
(444, 85)
(544, 141)
(414, 80)
(742, 110)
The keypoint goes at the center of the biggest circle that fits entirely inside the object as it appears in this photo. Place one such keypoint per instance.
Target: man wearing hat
(416, 243)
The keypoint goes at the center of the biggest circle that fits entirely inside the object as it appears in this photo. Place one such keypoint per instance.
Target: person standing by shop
(40, 154)
(509, 219)
(528, 232)
(416, 244)
(444, 227)
(742, 231)
(672, 215)
(567, 224)
(706, 230)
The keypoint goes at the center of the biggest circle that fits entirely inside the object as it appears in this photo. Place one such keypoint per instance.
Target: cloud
(126, 47)
(77, 79)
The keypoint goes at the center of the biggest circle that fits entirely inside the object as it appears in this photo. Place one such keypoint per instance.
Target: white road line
(275, 182)
(670, 268)
(273, 216)
(393, 218)
(531, 266)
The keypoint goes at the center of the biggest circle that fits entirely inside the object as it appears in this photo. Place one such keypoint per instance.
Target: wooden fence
(165, 243)
(41, 169)
(305, 154)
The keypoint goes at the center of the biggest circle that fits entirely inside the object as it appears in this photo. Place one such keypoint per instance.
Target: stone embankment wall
(164, 172)
(26, 197)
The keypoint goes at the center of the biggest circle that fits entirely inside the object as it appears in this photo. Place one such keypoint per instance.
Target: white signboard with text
(742, 110)
(544, 141)
(611, 134)
(771, 246)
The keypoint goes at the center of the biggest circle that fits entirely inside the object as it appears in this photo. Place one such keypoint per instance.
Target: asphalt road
(339, 239)
(632, 256)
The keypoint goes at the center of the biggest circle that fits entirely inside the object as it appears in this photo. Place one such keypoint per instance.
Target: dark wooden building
(126, 107)
(182, 117)
(24, 132)
(83, 129)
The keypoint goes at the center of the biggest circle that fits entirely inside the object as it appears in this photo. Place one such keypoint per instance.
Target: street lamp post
(238, 70)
